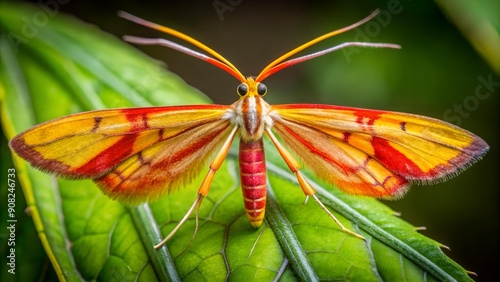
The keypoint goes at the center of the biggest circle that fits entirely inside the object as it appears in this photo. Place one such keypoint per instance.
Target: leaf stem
(161, 259)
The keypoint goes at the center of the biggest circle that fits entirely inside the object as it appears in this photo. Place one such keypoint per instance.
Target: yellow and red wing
(134, 155)
(375, 153)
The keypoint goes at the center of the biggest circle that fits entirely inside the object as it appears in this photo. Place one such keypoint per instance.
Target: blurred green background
(448, 68)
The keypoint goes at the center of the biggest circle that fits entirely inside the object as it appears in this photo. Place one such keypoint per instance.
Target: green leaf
(65, 66)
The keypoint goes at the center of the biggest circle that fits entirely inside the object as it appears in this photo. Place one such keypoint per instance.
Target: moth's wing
(134, 155)
(375, 153)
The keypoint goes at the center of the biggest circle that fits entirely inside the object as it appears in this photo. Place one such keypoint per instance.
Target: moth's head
(251, 88)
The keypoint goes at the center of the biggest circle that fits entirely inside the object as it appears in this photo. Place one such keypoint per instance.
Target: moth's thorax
(250, 113)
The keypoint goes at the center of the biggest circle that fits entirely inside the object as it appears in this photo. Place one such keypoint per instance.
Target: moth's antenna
(280, 63)
(218, 60)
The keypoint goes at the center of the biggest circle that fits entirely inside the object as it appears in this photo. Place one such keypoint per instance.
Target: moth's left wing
(134, 155)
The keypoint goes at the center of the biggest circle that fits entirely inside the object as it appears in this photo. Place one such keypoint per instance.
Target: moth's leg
(205, 185)
(306, 187)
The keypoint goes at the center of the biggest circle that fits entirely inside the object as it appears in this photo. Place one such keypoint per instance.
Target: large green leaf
(65, 66)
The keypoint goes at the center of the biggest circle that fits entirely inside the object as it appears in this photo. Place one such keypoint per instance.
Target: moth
(137, 155)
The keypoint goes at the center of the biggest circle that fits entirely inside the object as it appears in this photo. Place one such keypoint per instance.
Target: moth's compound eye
(242, 89)
(261, 89)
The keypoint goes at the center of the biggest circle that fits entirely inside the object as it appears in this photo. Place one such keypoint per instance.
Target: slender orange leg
(306, 187)
(205, 185)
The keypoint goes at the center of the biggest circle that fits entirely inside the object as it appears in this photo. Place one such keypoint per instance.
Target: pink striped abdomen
(253, 180)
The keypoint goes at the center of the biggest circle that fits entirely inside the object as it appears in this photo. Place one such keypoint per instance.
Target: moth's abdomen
(253, 179)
